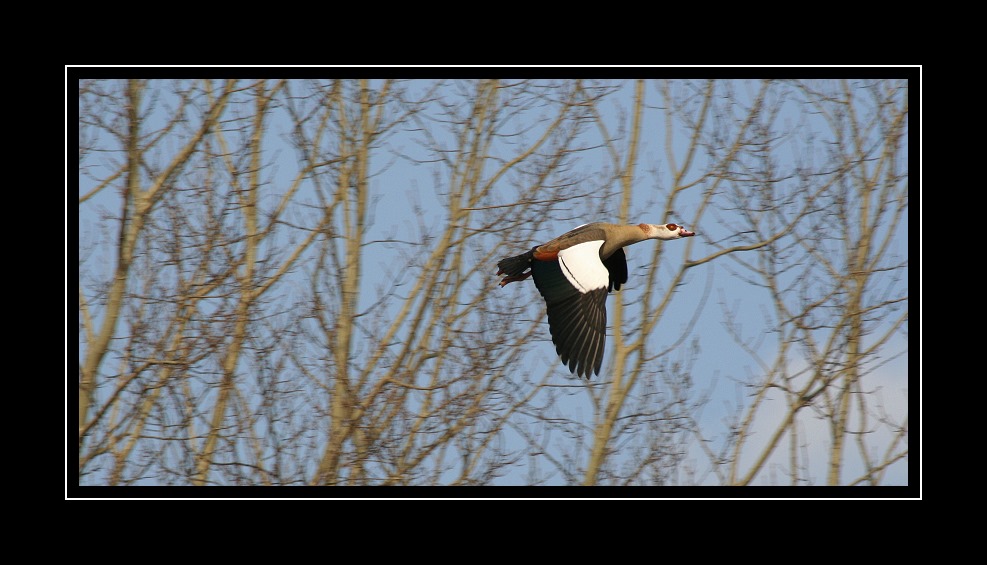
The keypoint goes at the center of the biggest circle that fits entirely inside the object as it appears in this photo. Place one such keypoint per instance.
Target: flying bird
(574, 273)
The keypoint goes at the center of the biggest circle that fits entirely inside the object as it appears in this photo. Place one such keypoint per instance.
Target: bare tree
(234, 371)
(837, 283)
(245, 317)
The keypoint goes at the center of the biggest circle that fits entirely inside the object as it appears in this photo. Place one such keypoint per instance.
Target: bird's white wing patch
(582, 266)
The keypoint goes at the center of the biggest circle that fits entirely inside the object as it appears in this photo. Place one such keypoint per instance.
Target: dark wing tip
(577, 321)
(578, 327)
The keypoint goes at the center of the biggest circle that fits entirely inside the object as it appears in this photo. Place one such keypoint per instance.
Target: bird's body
(574, 272)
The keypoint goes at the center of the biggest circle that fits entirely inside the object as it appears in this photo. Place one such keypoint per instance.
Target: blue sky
(718, 287)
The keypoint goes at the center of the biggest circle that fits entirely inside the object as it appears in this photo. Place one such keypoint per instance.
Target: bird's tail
(515, 267)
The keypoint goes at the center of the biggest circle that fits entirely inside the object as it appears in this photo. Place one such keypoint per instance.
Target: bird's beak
(685, 233)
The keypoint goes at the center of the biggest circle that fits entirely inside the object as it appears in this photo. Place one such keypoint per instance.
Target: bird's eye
(671, 227)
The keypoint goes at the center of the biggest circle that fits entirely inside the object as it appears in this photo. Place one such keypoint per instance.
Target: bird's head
(666, 231)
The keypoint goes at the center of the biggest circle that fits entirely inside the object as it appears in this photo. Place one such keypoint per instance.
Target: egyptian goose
(574, 272)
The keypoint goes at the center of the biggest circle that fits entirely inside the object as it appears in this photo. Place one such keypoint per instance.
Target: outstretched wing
(575, 291)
